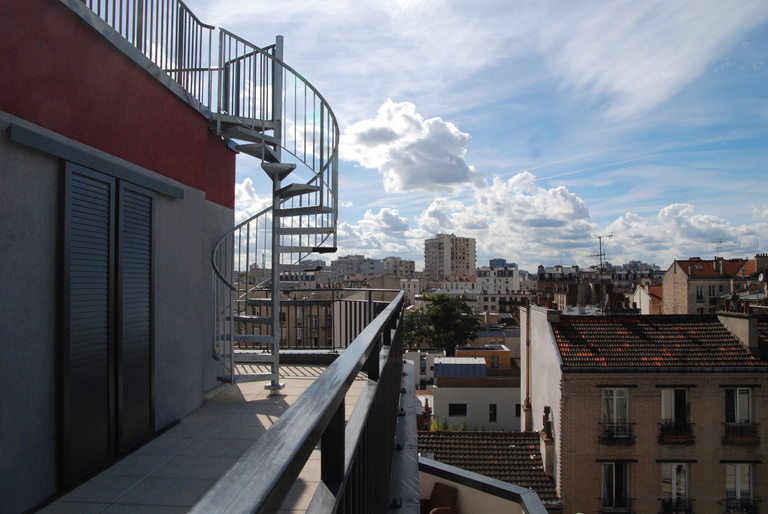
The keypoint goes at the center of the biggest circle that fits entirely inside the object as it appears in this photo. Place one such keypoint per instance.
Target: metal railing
(355, 457)
(616, 432)
(170, 35)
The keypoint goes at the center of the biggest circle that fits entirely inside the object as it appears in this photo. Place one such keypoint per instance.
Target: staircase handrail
(215, 252)
(332, 158)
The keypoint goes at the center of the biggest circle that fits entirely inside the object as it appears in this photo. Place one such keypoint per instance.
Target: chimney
(743, 327)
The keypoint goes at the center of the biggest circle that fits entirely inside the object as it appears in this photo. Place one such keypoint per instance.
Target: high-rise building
(447, 254)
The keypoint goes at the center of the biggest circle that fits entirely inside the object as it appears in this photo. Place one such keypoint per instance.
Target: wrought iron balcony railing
(676, 432)
(741, 433)
(679, 505)
(616, 432)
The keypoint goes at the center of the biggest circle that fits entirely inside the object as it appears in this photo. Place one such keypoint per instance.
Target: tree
(447, 323)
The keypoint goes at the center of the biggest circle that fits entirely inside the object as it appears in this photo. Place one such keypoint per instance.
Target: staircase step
(251, 338)
(302, 211)
(253, 123)
(296, 249)
(253, 356)
(247, 134)
(258, 150)
(256, 377)
(278, 169)
(301, 231)
(255, 320)
(292, 190)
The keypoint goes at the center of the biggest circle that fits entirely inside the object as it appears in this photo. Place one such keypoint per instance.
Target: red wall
(58, 72)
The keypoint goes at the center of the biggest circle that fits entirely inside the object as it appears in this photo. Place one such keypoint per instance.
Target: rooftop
(173, 471)
(512, 457)
(650, 341)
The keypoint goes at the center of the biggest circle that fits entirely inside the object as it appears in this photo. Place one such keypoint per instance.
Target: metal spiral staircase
(266, 110)
(262, 108)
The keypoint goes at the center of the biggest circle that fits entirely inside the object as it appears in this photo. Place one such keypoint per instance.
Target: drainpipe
(527, 408)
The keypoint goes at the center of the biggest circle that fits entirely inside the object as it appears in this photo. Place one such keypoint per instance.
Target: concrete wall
(478, 401)
(30, 204)
(541, 374)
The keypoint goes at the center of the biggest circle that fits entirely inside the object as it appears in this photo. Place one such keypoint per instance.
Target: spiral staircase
(267, 110)
(264, 109)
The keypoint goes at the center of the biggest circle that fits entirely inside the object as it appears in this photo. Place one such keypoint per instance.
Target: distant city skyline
(534, 128)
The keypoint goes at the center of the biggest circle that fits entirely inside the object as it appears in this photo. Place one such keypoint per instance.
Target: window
(615, 495)
(674, 405)
(517, 410)
(615, 412)
(492, 412)
(457, 409)
(313, 322)
(738, 486)
(738, 405)
(675, 422)
(712, 291)
(494, 362)
(674, 487)
(700, 293)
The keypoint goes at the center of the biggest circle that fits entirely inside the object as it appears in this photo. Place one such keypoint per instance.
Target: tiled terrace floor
(172, 472)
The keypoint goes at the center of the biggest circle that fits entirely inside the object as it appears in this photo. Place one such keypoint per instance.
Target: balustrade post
(332, 452)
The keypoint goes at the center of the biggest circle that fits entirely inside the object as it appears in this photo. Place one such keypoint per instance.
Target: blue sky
(534, 127)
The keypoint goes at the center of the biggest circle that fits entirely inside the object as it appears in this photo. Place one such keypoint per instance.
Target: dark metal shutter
(88, 338)
(135, 387)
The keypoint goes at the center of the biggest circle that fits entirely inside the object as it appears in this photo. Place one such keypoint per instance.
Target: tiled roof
(649, 341)
(656, 291)
(512, 457)
(724, 268)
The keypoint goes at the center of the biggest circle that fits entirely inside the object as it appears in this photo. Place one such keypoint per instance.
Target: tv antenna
(601, 254)
(717, 244)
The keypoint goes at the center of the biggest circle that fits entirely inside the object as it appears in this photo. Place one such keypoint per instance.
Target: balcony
(616, 506)
(673, 432)
(246, 450)
(734, 506)
(741, 433)
(679, 505)
(616, 432)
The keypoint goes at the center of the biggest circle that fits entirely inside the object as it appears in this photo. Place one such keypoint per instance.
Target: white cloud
(412, 153)
(247, 202)
(635, 55)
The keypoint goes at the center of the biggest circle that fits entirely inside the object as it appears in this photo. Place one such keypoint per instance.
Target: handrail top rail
(216, 270)
(186, 8)
(267, 470)
(265, 52)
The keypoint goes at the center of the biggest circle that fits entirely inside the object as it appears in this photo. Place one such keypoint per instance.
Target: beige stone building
(695, 286)
(448, 254)
(648, 414)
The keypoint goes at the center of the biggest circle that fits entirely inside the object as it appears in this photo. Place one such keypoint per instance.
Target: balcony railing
(353, 457)
(679, 505)
(676, 432)
(741, 433)
(615, 505)
(734, 506)
(616, 432)
(170, 35)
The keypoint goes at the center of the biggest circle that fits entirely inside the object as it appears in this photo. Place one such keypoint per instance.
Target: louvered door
(106, 351)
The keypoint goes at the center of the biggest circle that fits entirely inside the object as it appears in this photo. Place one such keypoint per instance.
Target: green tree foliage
(446, 324)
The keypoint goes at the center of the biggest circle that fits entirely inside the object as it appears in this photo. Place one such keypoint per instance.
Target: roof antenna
(717, 244)
(601, 254)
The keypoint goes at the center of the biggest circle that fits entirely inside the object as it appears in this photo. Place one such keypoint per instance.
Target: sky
(534, 127)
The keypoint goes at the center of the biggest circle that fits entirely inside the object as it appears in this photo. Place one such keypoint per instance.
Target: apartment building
(648, 414)
(699, 286)
(448, 254)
